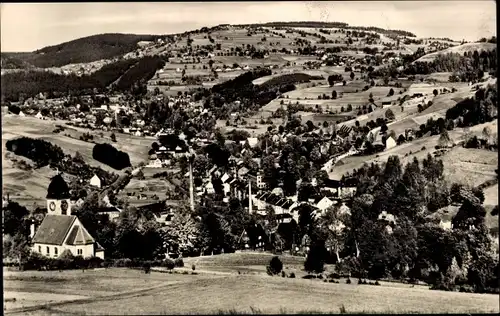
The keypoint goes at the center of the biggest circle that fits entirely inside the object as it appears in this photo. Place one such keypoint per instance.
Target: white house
(95, 181)
(61, 231)
(39, 116)
(390, 143)
(252, 141)
(324, 204)
(21, 114)
(209, 188)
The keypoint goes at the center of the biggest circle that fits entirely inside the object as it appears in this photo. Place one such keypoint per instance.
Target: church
(59, 230)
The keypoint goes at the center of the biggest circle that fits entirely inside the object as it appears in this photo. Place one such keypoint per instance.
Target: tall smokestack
(191, 184)
(249, 197)
(32, 229)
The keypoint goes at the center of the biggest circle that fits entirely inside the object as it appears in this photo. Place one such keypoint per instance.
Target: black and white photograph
(248, 158)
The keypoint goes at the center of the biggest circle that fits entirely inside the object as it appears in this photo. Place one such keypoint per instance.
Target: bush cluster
(111, 156)
(68, 262)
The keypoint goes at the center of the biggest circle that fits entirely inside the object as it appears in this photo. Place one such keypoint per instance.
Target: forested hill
(127, 73)
(82, 50)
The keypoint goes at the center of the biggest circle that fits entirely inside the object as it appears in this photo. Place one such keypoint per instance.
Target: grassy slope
(32, 185)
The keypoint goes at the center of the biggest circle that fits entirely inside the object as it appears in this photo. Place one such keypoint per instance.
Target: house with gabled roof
(59, 230)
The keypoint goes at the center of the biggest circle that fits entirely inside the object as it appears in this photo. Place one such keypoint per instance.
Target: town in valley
(287, 166)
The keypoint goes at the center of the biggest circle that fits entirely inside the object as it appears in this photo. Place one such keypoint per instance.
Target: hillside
(461, 49)
(82, 50)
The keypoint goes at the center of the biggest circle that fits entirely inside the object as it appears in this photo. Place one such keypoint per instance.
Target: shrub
(283, 274)
(185, 272)
(193, 267)
(342, 309)
(292, 275)
(178, 263)
(348, 281)
(377, 283)
(168, 263)
(275, 266)
(309, 276)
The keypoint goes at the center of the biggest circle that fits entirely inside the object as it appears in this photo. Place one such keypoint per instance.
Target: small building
(95, 181)
(261, 184)
(112, 212)
(324, 204)
(390, 143)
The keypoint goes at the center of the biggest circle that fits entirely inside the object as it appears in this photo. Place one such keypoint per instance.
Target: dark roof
(350, 182)
(78, 236)
(330, 183)
(53, 229)
(58, 188)
(108, 209)
(287, 204)
(283, 215)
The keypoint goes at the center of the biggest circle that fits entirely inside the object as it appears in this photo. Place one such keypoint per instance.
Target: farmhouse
(59, 230)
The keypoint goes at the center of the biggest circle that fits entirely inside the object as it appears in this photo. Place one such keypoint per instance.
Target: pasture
(418, 148)
(470, 166)
(125, 291)
(136, 147)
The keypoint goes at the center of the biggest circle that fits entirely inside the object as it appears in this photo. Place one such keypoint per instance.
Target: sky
(31, 26)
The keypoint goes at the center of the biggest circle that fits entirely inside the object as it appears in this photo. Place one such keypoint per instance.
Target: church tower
(58, 197)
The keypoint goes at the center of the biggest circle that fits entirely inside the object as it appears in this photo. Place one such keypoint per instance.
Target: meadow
(125, 291)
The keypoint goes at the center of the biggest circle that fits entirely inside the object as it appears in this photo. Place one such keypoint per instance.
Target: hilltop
(82, 50)
(460, 49)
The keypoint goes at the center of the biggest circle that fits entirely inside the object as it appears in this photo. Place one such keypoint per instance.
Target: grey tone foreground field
(123, 291)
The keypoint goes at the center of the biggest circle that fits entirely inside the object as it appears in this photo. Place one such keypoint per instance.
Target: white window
(79, 251)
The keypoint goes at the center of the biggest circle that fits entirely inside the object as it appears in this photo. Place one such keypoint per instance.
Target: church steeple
(58, 202)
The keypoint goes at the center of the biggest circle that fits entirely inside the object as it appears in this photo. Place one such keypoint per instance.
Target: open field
(470, 166)
(124, 291)
(30, 186)
(491, 195)
(15, 126)
(418, 148)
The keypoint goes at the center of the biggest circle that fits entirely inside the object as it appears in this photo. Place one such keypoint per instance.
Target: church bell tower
(58, 197)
